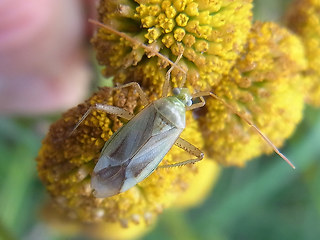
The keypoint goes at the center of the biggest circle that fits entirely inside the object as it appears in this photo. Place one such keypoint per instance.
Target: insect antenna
(268, 141)
(200, 95)
(134, 42)
(165, 88)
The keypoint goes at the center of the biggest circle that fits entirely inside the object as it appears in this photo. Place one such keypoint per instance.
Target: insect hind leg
(188, 147)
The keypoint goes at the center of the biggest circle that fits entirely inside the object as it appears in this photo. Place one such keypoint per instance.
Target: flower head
(209, 34)
(304, 19)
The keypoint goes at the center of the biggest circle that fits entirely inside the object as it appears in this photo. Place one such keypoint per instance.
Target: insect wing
(149, 156)
(133, 152)
(128, 139)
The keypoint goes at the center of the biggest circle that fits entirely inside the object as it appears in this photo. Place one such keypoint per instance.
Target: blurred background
(47, 66)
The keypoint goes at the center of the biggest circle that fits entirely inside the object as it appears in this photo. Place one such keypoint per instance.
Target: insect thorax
(173, 110)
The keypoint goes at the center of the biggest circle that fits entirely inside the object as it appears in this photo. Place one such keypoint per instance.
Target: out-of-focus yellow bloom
(65, 164)
(304, 19)
(199, 188)
(101, 230)
(210, 34)
(265, 85)
(115, 231)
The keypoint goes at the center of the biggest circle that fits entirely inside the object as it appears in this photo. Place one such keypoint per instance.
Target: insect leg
(197, 105)
(268, 141)
(137, 87)
(188, 147)
(120, 112)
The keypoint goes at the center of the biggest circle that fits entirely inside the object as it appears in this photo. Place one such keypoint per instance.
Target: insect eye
(189, 103)
(176, 91)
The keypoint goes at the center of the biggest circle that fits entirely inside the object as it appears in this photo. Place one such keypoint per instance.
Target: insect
(137, 148)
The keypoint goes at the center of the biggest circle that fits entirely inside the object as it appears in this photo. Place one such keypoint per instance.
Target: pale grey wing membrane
(146, 160)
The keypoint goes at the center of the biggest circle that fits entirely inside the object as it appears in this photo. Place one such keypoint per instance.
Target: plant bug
(137, 148)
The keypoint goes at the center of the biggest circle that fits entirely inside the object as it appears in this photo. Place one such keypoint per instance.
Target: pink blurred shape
(43, 62)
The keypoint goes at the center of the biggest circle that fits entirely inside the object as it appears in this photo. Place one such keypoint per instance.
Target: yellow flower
(66, 162)
(210, 34)
(304, 19)
(266, 86)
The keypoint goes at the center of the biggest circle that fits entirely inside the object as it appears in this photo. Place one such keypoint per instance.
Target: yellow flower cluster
(304, 19)
(66, 161)
(209, 34)
(264, 85)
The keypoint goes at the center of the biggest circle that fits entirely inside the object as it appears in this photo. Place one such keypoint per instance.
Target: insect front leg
(197, 105)
(188, 147)
(137, 87)
(119, 112)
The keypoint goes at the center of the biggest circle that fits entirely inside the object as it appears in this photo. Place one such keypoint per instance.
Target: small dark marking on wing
(112, 178)
(109, 173)
(137, 169)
